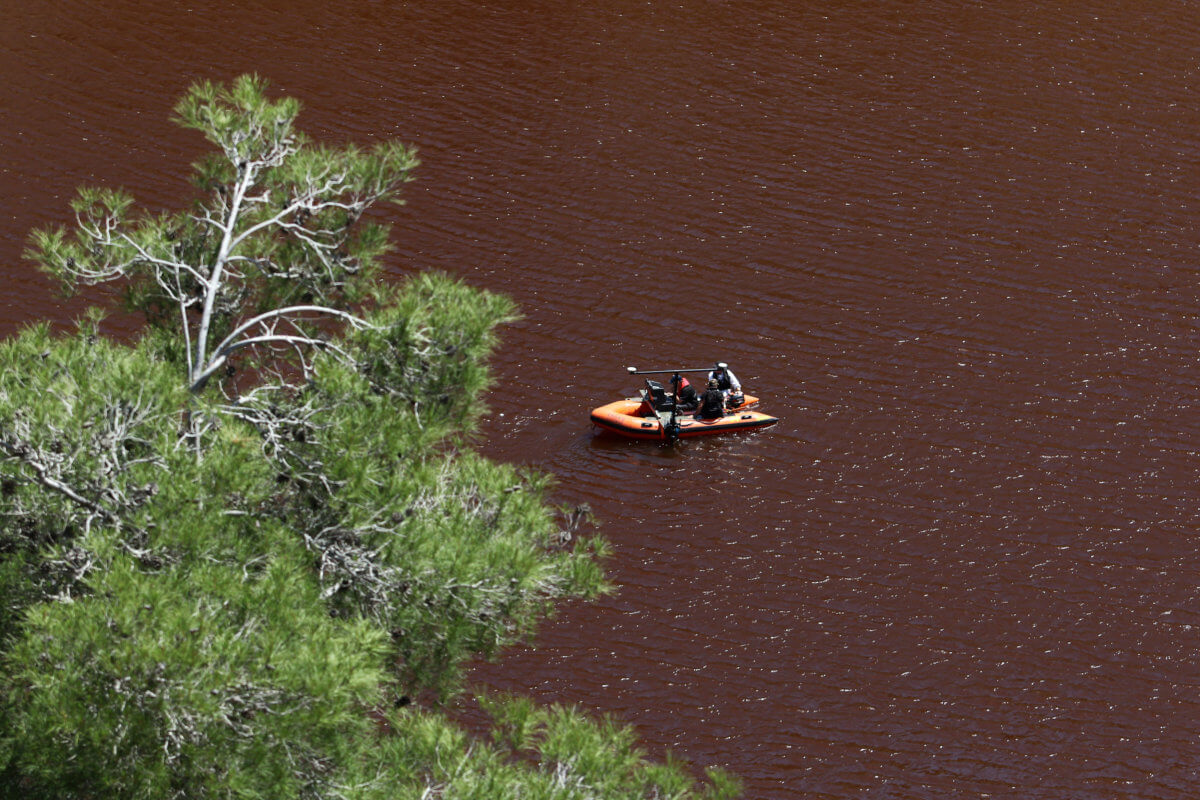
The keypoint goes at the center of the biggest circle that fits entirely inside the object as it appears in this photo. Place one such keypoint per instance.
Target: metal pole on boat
(673, 427)
(636, 371)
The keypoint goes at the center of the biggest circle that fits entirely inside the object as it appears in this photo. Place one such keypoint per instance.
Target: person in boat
(688, 399)
(727, 382)
(712, 403)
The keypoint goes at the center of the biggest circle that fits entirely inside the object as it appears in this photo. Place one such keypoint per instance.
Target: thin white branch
(222, 356)
(161, 263)
(354, 321)
(304, 202)
(20, 453)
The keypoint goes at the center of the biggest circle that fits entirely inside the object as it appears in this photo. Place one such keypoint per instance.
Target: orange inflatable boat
(653, 415)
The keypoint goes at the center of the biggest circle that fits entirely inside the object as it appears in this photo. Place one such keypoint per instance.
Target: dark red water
(951, 244)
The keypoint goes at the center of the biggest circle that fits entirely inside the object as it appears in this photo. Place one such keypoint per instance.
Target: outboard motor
(658, 396)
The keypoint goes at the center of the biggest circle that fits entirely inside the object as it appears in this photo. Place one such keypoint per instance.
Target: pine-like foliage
(233, 551)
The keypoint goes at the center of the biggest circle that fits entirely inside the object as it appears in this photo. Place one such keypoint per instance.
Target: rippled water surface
(951, 245)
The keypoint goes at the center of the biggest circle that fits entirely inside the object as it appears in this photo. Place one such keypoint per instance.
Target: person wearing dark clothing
(688, 399)
(728, 383)
(712, 404)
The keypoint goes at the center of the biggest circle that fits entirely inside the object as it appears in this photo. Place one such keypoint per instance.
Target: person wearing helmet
(712, 403)
(727, 382)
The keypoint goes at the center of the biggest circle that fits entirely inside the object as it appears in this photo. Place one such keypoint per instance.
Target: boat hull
(633, 418)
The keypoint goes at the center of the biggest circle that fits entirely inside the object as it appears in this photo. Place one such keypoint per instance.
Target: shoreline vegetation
(251, 553)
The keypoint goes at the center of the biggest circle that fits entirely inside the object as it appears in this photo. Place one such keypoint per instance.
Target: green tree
(233, 552)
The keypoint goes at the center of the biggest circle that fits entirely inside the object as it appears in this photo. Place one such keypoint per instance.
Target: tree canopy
(247, 554)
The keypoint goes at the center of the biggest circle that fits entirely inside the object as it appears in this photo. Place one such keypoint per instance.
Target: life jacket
(722, 378)
(687, 394)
